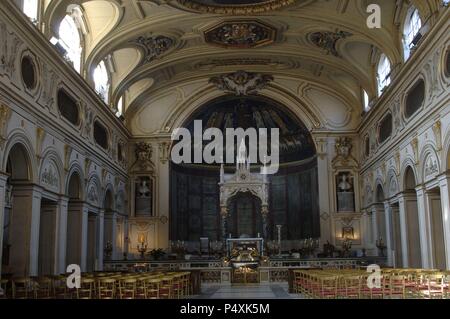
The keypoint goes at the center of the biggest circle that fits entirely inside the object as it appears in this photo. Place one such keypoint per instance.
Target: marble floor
(249, 291)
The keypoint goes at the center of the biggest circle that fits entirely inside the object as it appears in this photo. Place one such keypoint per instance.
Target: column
(424, 227)
(110, 231)
(444, 183)
(3, 183)
(77, 234)
(61, 235)
(366, 230)
(162, 197)
(403, 212)
(325, 196)
(389, 239)
(25, 221)
(100, 243)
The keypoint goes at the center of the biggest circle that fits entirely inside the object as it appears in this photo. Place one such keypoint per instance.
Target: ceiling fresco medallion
(241, 34)
(235, 7)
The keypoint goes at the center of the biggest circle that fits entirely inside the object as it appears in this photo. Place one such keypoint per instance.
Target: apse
(293, 190)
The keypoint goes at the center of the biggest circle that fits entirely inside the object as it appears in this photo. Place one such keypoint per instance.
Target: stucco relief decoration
(241, 7)
(431, 167)
(144, 152)
(153, 47)
(49, 176)
(92, 195)
(242, 83)
(393, 186)
(5, 116)
(241, 34)
(344, 156)
(9, 47)
(88, 121)
(328, 40)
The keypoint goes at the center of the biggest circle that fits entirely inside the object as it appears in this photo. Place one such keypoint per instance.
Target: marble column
(3, 191)
(100, 240)
(444, 183)
(424, 227)
(389, 239)
(25, 221)
(403, 200)
(325, 193)
(110, 231)
(61, 235)
(77, 234)
(163, 198)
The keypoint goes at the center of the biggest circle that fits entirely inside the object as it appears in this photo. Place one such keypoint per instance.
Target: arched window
(120, 107)
(411, 34)
(31, 9)
(366, 100)
(101, 80)
(384, 73)
(70, 41)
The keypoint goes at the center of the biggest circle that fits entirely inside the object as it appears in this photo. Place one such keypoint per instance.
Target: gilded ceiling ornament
(328, 40)
(241, 34)
(242, 83)
(153, 47)
(235, 7)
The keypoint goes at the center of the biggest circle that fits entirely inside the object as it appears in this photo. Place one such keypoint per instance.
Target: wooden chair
(351, 288)
(44, 288)
(127, 289)
(397, 286)
(23, 288)
(152, 288)
(327, 287)
(87, 288)
(107, 288)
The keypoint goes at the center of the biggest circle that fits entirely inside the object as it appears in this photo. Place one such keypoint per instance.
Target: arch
(430, 162)
(51, 160)
(75, 171)
(409, 179)
(380, 194)
(93, 190)
(21, 140)
(392, 183)
(108, 198)
(184, 111)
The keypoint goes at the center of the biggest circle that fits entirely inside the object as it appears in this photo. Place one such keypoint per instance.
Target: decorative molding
(438, 135)
(415, 147)
(242, 83)
(249, 8)
(5, 116)
(143, 153)
(241, 34)
(153, 47)
(164, 152)
(328, 40)
(67, 154)
(40, 137)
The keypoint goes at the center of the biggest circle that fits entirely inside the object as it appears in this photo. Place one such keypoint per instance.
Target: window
(100, 135)
(120, 107)
(101, 80)
(68, 107)
(415, 98)
(366, 101)
(28, 72)
(411, 32)
(385, 128)
(69, 41)
(384, 73)
(31, 9)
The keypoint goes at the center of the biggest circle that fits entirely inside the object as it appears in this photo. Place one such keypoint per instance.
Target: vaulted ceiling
(156, 44)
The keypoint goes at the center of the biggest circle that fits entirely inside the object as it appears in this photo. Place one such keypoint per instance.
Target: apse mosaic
(257, 112)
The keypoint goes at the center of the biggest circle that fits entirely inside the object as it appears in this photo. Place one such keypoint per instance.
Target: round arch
(19, 141)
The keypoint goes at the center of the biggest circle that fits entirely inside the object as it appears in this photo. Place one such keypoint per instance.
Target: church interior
(93, 204)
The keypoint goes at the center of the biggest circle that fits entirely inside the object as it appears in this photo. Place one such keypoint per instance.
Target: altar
(234, 244)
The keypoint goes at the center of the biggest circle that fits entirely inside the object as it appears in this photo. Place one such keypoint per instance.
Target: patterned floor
(249, 291)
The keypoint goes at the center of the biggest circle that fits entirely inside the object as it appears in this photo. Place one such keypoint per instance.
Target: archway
(18, 222)
(412, 219)
(195, 208)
